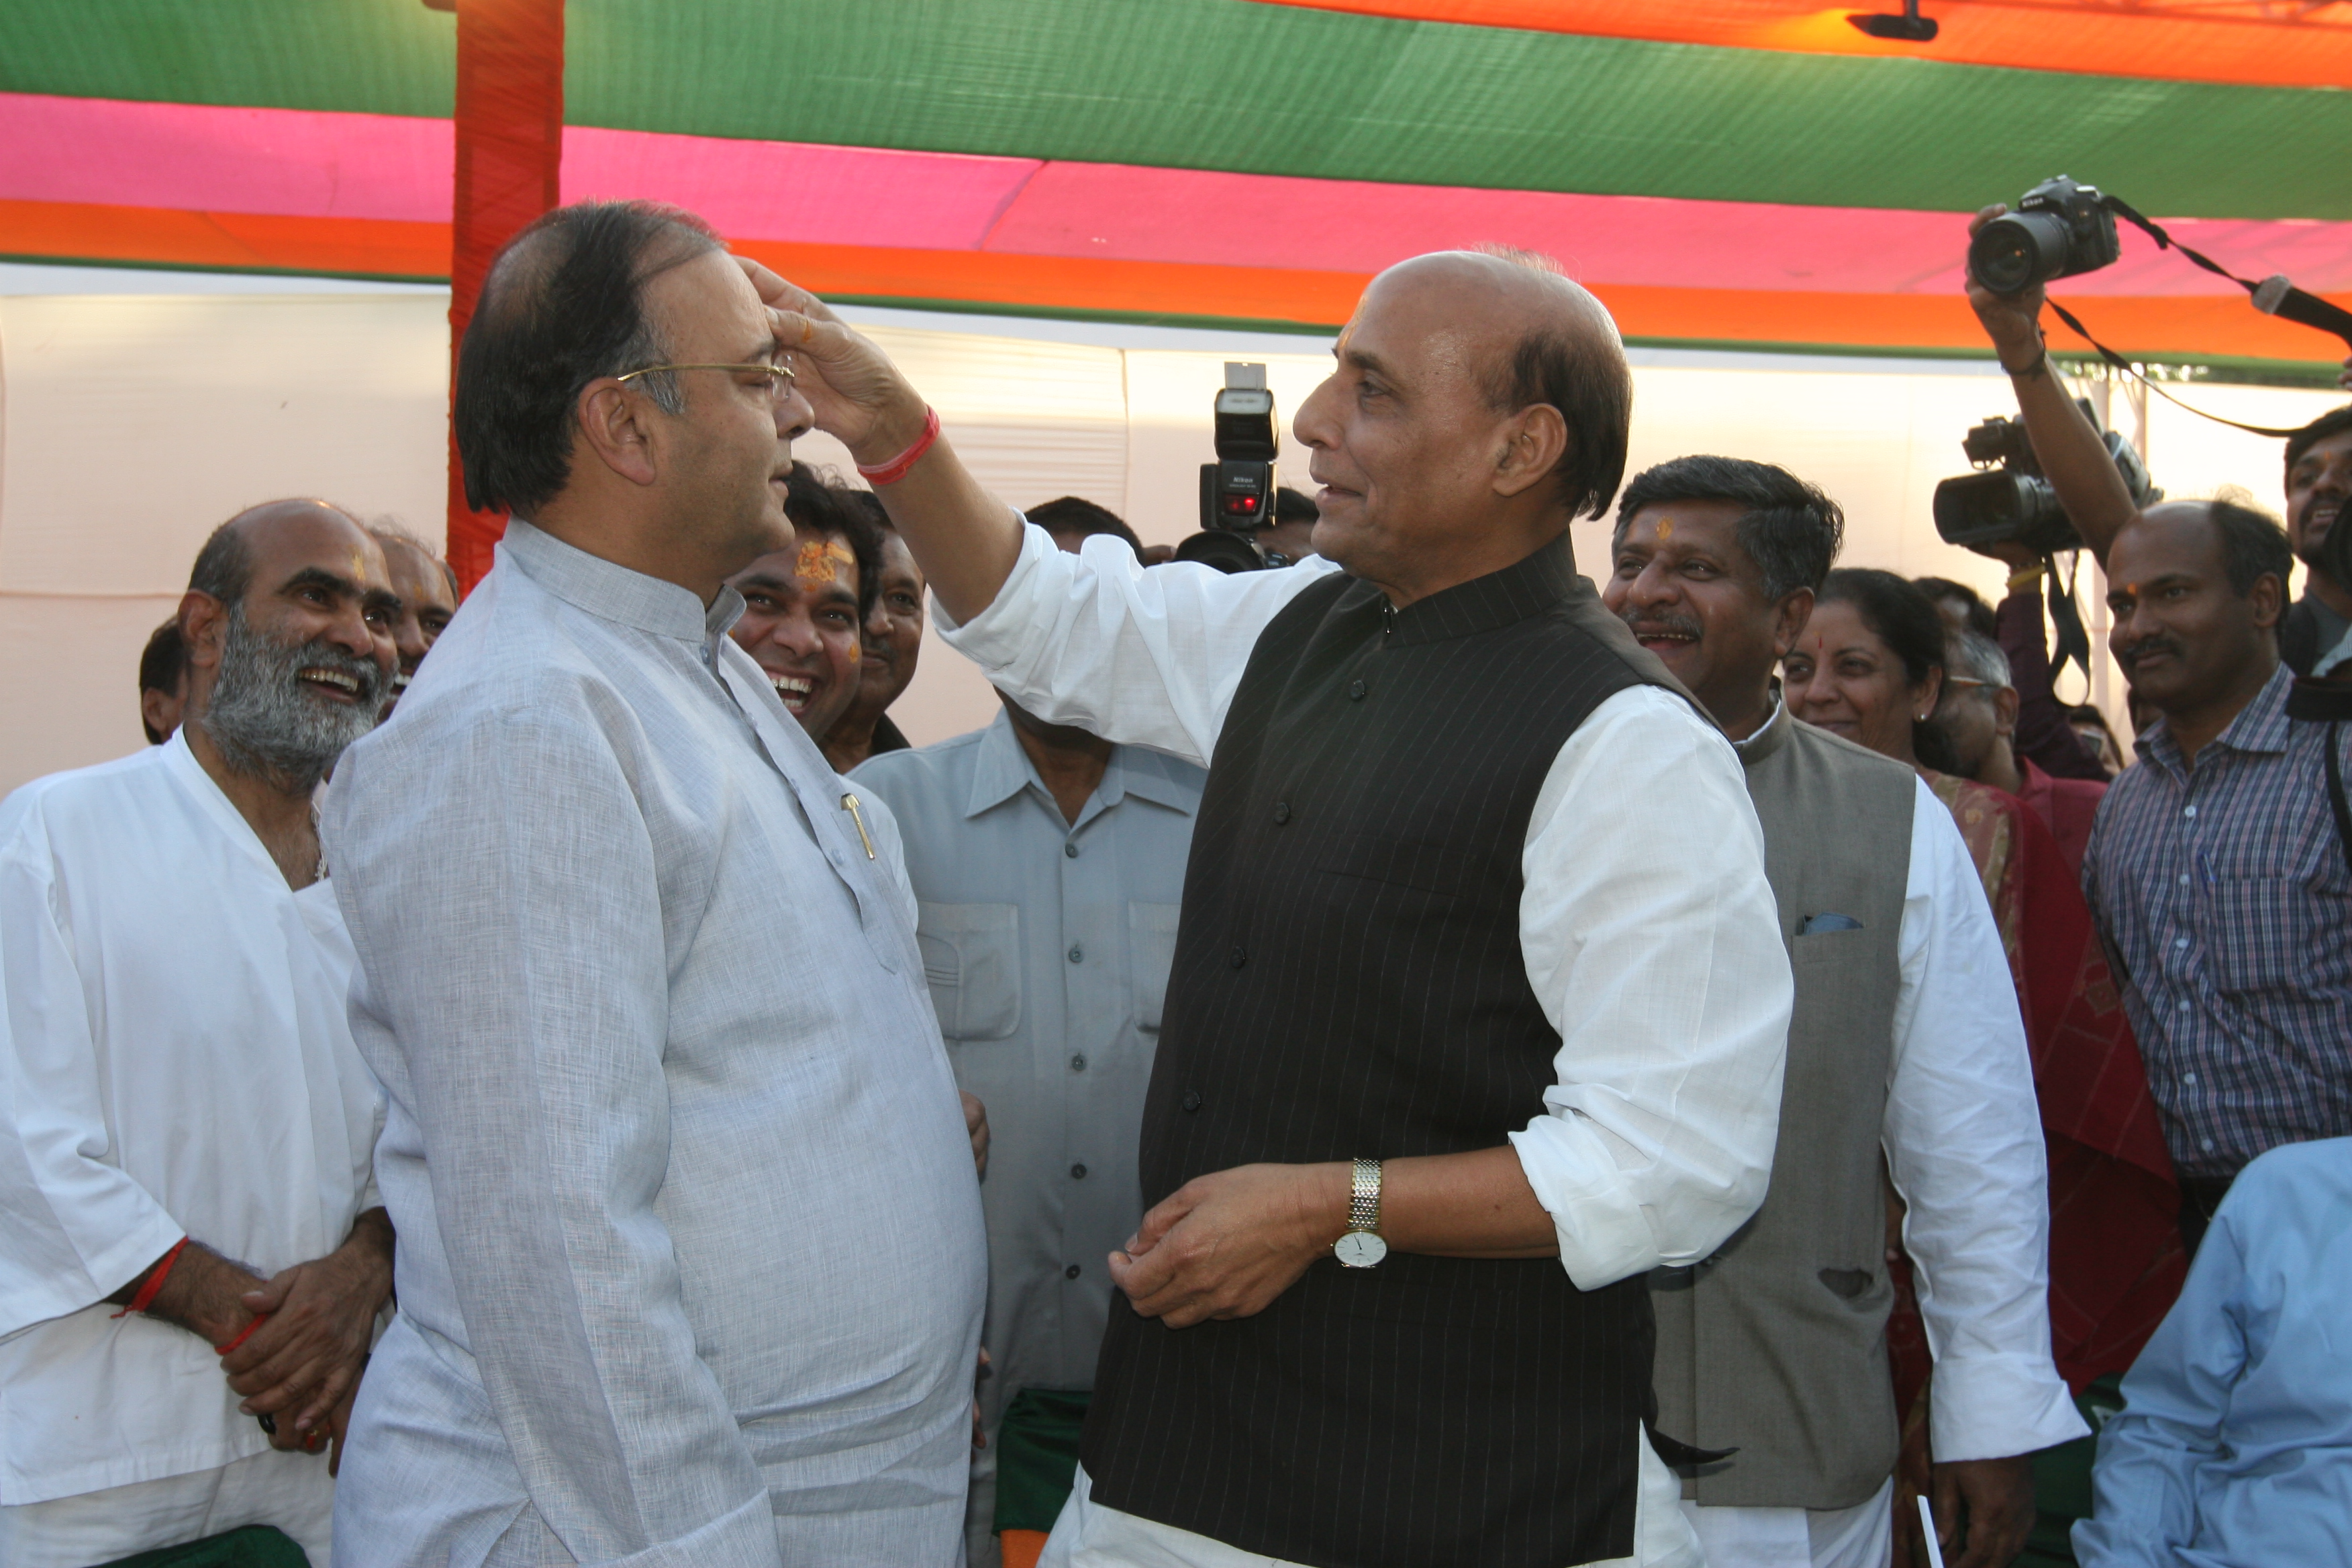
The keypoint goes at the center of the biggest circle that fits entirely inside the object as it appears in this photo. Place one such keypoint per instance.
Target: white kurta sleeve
(528, 999)
(1963, 1142)
(1140, 658)
(74, 1228)
(1653, 940)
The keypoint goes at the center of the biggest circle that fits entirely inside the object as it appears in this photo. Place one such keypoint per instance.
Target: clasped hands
(310, 1326)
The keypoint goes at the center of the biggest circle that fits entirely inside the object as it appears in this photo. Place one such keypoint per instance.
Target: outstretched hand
(856, 394)
(2013, 321)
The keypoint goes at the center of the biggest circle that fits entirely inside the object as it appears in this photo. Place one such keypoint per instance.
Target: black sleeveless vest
(1349, 981)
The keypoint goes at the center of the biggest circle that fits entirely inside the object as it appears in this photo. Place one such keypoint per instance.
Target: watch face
(1360, 1249)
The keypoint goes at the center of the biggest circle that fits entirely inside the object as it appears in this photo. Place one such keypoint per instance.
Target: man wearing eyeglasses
(700, 1265)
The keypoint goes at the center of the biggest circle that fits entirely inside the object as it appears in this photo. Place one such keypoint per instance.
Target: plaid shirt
(2223, 896)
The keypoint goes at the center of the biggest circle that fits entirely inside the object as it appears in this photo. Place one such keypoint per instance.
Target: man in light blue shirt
(2234, 1448)
(1048, 865)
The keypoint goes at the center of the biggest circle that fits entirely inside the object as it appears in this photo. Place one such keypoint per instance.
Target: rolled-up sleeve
(1652, 941)
(527, 1000)
(1140, 658)
(1963, 1140)
(77, 1228)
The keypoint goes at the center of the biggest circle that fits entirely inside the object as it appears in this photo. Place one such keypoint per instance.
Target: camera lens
(2012, 253)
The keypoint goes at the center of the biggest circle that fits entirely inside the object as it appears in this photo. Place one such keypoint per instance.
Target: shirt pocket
(972, 961)
(1152, 949)
(2256, 941)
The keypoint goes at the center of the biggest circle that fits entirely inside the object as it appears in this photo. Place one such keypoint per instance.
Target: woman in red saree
(2116, 1261)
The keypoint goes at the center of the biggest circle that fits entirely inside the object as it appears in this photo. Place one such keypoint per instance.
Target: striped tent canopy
(1750, 173)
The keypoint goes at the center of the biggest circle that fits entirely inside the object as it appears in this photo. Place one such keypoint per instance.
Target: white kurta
(691, 1261)
(1650, 933)
(174, 1060)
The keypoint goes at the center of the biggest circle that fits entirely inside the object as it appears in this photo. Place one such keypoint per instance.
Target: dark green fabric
(1274, 89)
(1038, 1456)
(255, 1546)
(2062, 1480)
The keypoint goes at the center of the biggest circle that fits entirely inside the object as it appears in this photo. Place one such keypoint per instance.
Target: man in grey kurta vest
(1906, 1039)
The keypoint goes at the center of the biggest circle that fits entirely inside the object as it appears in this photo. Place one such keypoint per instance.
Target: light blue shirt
(2234, 1448)
(1047, 946)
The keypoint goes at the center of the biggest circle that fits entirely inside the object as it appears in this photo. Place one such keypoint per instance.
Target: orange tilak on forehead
(1665, 528)
(821, 561)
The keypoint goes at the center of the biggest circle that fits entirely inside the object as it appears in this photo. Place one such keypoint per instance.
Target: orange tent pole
(510, 119)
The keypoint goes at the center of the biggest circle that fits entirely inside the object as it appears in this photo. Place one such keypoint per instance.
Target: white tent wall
(130, 424)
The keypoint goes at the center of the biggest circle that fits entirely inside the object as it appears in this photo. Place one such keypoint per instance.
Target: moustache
(2129, 655)
(1644, 622)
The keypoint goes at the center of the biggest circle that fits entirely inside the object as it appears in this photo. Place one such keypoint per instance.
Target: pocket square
(1816, 924)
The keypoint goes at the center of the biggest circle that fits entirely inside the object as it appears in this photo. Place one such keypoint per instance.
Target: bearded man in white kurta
(182, 1091)
(692, 1256)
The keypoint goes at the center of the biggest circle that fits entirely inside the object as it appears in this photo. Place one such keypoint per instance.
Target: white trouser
(1089, 1535)
(1862, 1536)
(292, 1491)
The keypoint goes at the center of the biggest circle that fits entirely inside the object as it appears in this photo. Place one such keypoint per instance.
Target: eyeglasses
(780, 376)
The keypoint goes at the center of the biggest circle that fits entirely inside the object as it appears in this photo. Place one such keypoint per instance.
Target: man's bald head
(1481, 401)
(224, 567)
(1531, 335)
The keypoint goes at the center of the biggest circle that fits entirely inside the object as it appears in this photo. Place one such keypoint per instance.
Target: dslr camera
(2058, 229)
(2007, 499)
(1237, 490)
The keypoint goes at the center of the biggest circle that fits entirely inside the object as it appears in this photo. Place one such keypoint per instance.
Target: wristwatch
(1361, 1247)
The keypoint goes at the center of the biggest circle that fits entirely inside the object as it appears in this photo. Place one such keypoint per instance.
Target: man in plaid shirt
(2222, 883)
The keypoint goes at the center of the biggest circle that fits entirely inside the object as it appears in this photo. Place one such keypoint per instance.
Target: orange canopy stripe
(2248, 43)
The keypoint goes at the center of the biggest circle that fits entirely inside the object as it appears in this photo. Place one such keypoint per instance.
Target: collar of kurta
(614, 593)
(1002, 770)
(1770, 737)
(1530, 586)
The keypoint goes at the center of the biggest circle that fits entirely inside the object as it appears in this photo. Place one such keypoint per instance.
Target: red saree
(2116, 1259)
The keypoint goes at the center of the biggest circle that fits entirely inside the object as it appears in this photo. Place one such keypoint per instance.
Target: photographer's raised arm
(2070, 453)
(965, 539)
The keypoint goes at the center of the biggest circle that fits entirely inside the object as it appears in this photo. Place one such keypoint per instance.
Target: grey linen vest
(1777, 1345)
(1349, 981)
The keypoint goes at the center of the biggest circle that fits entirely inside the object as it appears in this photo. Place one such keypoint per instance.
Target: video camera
(2007, 499)
(1237, 490)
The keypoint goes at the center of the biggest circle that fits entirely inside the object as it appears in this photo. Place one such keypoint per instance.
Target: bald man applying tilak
(1478, 1004)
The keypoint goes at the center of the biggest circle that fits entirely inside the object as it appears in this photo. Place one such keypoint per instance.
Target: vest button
(1071, 1272)
(1241, 956)
(1281, 812)
(1077, 1173)
(1078, 953)
(1071, 850)
(1077, 1064)
(1192, 1100)
(1355, 691)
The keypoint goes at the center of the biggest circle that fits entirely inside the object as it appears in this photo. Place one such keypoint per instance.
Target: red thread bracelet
(891, 472)
(147, 1292)
(224, 1349)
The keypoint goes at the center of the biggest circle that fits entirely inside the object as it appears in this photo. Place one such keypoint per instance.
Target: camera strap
(2066, 620)
(2164, 241)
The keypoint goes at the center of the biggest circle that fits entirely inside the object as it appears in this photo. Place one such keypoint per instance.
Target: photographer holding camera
(2216, 870)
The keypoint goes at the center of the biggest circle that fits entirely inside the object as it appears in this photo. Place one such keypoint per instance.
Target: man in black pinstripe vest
(1478, 1005)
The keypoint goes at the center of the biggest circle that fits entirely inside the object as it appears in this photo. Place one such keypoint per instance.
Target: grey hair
(1979, 658)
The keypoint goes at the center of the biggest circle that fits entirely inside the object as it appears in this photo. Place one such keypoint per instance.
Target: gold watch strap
(1364, 1197)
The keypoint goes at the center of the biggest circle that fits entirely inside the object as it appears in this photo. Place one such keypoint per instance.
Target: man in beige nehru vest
(1906, 1038)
